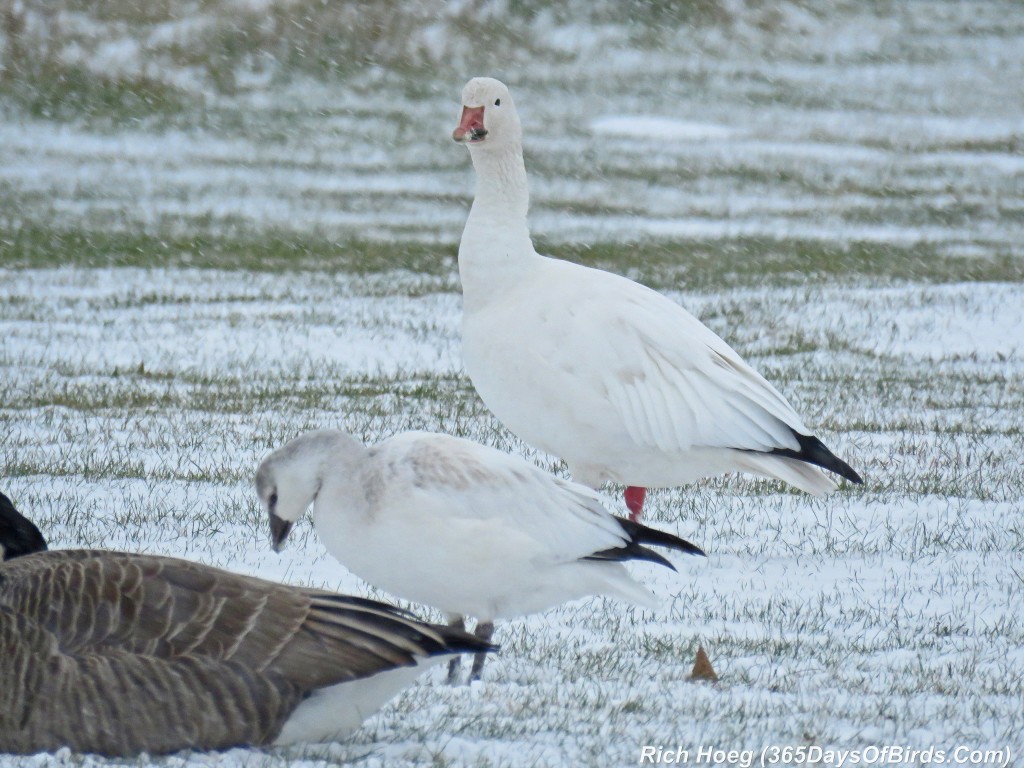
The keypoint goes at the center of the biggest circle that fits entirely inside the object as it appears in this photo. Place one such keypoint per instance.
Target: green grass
(737, 262)
(329, 41)
(691, 264)
(135, 392)
(71, 93)
(34, 246)
(890, 608)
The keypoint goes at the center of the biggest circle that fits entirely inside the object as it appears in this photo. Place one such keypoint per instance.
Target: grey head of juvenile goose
(460, 526)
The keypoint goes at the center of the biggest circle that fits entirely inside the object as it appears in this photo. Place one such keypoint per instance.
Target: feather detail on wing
(190, 656)
(475, 482)
(169, 608)
(677, 386)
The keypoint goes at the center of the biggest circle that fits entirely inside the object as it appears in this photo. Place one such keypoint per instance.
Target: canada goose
(617, 379)
(116, 653)
(18, 536)
(457, 525)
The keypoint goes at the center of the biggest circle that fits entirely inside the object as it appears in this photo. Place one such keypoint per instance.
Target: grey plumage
(116, 653)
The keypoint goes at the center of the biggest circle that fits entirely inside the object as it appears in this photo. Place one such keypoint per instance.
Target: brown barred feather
(116, 654)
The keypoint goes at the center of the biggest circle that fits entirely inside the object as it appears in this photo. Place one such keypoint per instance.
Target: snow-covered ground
(135, 403)
(138, 402)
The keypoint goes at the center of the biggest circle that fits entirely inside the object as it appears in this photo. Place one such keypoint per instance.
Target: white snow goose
(456, 525)
(117, 654)
(622, 383)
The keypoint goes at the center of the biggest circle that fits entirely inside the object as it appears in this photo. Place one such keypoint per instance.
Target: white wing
(459, 480)
(674, 384)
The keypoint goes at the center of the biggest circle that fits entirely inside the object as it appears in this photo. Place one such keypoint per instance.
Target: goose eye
(497, 102)
(273, 499)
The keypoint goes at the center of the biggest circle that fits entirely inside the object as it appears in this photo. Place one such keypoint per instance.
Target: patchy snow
(660, 128)
(977, 322)
(135, 404)
(133, 322)
(895, 124)
(902, 598)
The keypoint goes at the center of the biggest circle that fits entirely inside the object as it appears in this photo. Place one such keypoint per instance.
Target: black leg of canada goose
(455, 663)
(484, 630)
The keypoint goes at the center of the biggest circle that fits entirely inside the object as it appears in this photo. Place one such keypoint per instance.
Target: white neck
(496, 244)
(501, 180)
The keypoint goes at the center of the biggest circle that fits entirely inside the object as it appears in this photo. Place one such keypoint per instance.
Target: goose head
(488, 117)
(289, 479)
(18, 536)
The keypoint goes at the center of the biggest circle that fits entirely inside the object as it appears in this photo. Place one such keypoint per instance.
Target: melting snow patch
(984, 322)
(641, 126)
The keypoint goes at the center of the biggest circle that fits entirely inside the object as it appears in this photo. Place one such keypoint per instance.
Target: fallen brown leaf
(702, 669)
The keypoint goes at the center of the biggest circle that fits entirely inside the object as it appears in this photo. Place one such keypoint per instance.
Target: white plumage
(622, 383)
(456, 525)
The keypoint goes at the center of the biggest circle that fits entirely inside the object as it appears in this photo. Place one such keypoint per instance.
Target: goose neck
(501, 186)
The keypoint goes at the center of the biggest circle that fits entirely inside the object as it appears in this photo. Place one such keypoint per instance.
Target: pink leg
(635, 502)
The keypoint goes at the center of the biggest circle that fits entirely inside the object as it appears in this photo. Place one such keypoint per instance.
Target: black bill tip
(279, 530)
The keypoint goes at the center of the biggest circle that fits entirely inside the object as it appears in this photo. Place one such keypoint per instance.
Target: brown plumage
(116, 654)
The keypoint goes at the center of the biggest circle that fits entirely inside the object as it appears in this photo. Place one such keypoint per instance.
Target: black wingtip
(432, 639)
(460, 641)
(813, 451)
(642, 534)
(631, 551)
(635, 550)
(18, 535)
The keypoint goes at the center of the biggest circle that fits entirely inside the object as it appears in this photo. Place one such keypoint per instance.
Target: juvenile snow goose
(622, 383)
(456, 525)
(117, 654)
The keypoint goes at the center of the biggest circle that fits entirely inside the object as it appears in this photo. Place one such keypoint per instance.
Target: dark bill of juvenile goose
(460, 526)
(117, 654)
